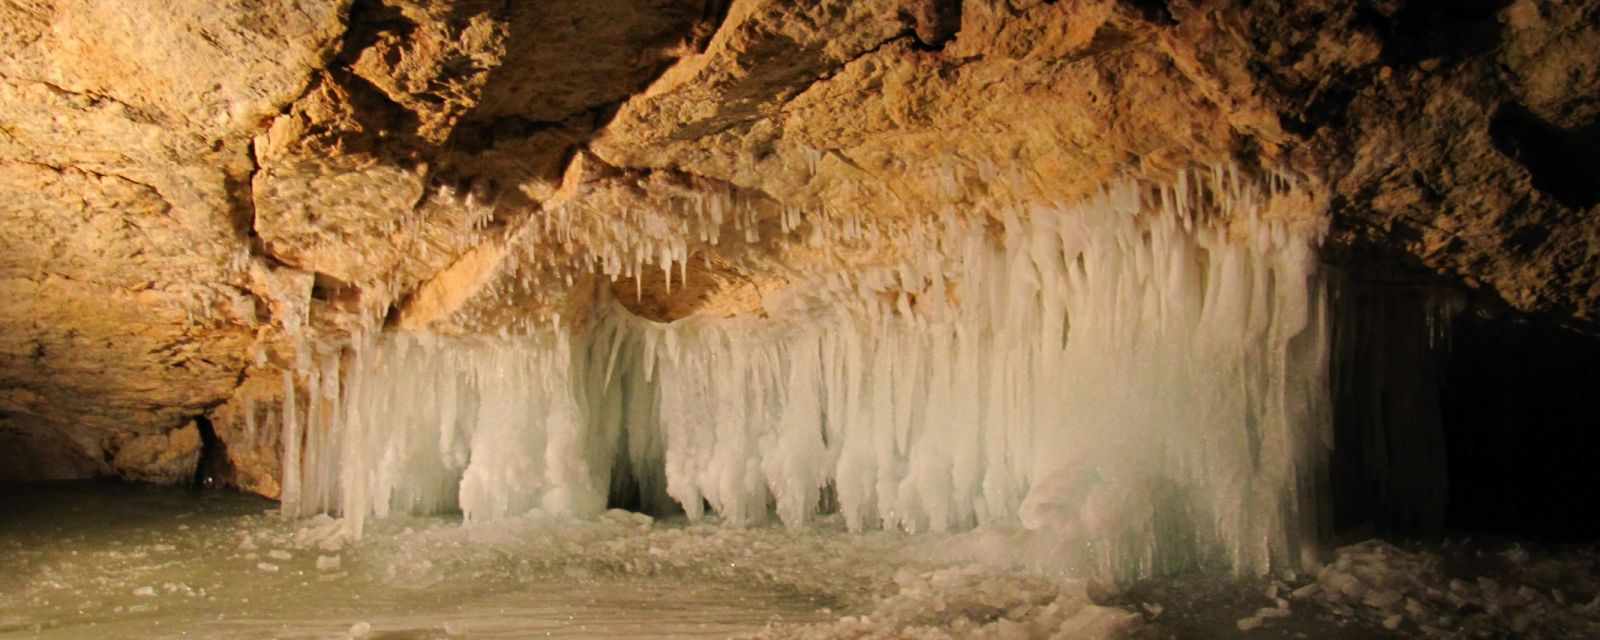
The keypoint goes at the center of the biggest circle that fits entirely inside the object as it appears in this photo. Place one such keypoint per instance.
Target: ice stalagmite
(1147, 383)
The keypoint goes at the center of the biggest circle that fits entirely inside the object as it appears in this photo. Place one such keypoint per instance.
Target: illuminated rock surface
(201, 201)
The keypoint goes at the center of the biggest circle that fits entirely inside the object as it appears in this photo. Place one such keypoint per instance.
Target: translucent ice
(1147, 383)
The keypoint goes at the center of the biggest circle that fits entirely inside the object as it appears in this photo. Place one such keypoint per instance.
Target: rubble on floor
(1436, 594)
(1454, 589)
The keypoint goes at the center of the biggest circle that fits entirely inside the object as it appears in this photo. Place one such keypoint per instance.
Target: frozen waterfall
(1148, 384)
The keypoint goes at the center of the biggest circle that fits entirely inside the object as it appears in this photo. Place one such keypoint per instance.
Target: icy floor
(112, 561)
(108, 561)
(1460, 588)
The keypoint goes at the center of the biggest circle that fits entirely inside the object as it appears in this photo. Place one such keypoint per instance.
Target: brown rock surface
(184, 187)
(162, 458)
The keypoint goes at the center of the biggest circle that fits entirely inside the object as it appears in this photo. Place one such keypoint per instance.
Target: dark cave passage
(1454, 419)
(1518, 399)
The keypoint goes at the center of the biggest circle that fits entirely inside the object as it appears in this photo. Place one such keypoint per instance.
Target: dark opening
(1556, 158)
(1157, 11)
(1455, 420)
(624, 493)
(1390, 471)
(1519, 401)
(214, 471)
(1444, 29)
(637, 485)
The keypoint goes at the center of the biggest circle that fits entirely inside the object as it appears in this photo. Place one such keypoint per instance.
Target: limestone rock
(249, 426)
(163, 458)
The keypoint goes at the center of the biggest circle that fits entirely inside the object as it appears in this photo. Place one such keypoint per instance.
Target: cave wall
(186, 190)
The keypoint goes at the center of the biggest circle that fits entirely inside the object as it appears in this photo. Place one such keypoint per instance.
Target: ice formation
(1140, 375)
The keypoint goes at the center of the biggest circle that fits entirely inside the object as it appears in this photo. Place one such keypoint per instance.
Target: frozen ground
(110, 561)
(1374, 589)
(113, 561)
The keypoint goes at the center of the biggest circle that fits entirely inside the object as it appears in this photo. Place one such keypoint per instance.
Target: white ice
(1147, 384)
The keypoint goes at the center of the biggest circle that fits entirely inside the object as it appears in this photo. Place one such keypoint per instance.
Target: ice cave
(817, 319)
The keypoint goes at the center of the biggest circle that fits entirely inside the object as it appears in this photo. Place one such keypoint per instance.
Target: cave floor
(1462, 587)
(110, 560)
(113, 560)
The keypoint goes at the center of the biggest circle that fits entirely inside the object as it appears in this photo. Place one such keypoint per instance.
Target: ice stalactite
(1146, 382)
(290, 493)
(312, 423)
(1157, 396)
(490, 427)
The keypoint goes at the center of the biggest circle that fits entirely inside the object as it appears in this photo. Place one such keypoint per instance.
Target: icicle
(250, 434)
(290, 490)
(1125, 372)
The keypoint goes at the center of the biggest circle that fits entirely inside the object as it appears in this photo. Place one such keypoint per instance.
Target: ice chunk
(1306, 591)
(1267, 613)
